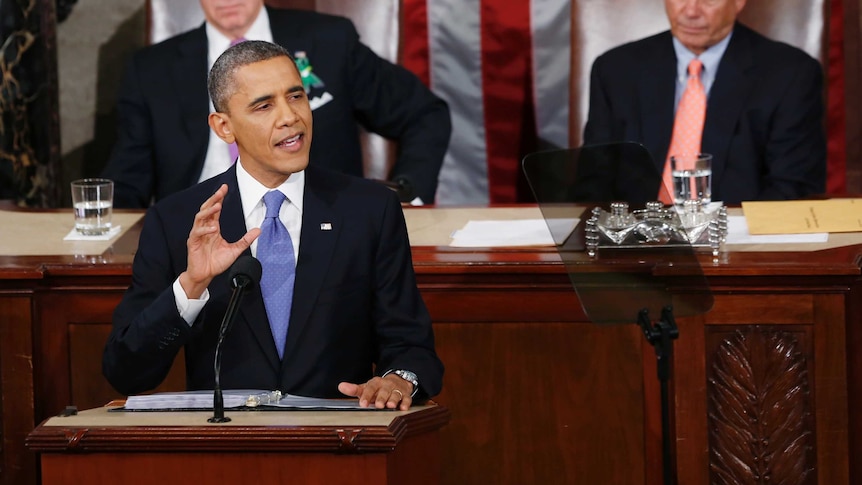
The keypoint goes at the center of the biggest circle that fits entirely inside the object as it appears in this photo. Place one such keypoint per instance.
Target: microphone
(402, 186)
(244, 273)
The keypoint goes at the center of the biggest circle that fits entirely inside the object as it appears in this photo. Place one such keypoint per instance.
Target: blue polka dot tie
(275, 252)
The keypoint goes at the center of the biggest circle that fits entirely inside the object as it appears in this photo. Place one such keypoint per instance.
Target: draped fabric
(836, 120)
(503, 67)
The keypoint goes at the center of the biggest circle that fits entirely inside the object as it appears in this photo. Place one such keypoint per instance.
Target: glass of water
(692, 177)
(93, 202)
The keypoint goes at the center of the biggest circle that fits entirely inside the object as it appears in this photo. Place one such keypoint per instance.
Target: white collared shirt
(218, 154)
(710, 58)
(253, 210)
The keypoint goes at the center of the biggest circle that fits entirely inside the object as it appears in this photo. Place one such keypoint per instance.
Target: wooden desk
(104, 446)
(537, 394)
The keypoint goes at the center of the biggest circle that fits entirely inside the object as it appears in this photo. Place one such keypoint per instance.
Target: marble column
(29, 114)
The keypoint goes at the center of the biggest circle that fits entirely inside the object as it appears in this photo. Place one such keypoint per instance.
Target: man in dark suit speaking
(764, 108)
(344, 314)
(164, 145)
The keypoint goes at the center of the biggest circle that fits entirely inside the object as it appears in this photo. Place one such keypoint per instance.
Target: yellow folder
(803, 216)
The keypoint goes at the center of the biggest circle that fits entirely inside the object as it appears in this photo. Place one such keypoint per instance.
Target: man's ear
(220, 124)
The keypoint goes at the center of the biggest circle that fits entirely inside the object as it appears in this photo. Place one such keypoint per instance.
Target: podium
(107, 446)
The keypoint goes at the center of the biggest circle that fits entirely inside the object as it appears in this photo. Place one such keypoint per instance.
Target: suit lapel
(727, 99)
(321, 226)
(252, 313)
(656, 94)
(189, 73)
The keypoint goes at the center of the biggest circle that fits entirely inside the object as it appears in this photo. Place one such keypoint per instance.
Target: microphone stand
(661, 336)
(240, 282)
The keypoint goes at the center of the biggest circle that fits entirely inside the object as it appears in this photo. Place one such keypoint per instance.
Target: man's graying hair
(220, 82)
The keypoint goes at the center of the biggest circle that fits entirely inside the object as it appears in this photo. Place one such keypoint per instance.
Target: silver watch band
(407, 376)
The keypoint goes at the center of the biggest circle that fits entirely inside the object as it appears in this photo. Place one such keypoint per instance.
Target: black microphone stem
(244, 274)
(218, 398)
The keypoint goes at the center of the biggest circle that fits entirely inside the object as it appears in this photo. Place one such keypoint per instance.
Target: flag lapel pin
(325, 226)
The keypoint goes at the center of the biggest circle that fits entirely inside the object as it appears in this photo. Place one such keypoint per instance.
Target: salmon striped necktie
(687, 127)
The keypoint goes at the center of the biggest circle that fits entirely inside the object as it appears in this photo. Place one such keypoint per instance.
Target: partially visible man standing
(164, 144)
(763, 120)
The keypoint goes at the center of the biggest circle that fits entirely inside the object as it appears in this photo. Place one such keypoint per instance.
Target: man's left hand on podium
(390, 392)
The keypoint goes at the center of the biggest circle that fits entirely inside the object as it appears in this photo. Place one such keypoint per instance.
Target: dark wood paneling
(75, 327)
(86, 343)
(16, 386)
(831, 388)
(553, 403)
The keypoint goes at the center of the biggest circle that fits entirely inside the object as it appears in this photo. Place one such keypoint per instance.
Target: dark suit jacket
(163, 106)
(356, 304)
(764, 116)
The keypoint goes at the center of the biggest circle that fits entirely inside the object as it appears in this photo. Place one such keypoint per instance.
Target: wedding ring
(400, 394)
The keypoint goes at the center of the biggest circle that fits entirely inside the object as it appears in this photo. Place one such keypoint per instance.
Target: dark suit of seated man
(163, 143)
(357, 326)
(764, 114)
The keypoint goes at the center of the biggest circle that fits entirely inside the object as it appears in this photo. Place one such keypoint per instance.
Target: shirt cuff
(189, 308)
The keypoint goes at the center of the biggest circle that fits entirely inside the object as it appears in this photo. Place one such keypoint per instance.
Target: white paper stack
(514, 233)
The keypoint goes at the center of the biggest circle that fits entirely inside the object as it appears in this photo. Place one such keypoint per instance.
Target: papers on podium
(233, 399)
(513, 233)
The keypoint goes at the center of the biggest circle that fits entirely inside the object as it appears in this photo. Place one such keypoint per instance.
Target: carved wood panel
(761, 428)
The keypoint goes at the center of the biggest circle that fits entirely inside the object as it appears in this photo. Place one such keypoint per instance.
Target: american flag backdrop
(505, 68)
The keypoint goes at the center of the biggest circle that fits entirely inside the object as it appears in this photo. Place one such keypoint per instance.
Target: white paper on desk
(523, 232)
(233, 398)
(737, 233)
(301, 402)
(186, 400)
(74, 235)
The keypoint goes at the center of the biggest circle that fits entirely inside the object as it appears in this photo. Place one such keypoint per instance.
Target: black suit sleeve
(403, 325)
(795, 151)
(131, 164)
(391, 101)
(148, 331)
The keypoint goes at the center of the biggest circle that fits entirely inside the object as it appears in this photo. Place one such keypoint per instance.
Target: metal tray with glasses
(694, 224)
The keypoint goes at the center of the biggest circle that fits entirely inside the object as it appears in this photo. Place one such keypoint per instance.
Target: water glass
(692, 177)
(93, 201)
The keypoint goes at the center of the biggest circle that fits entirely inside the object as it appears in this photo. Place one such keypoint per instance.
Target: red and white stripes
(503, 67)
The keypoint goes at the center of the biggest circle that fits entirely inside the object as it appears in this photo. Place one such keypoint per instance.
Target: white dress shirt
(710, 58)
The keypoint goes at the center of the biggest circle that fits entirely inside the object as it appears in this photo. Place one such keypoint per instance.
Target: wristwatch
(409, 377)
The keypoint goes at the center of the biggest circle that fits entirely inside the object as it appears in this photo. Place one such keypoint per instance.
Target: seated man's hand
(381, 392)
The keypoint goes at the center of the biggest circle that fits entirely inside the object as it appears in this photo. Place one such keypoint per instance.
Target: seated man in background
(345, 316)
(714, 86)
(164, 144)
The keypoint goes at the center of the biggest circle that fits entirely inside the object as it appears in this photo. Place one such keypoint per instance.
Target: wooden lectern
(106, 446)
